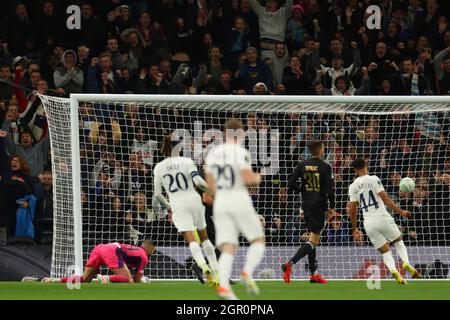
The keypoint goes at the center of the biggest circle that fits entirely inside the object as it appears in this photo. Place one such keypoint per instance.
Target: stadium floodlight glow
(113, 140)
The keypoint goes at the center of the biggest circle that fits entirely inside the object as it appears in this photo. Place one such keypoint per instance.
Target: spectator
(34, 154)
(145, 147)
(337, 69)
(119, 59)
(19, 28)
(442, 70)
(5, 56)
(119, 20)
(295, 29)
(13, 122)
(44, 210)
(149, 82)
(237, 42)
(254, 71)
(17, 184)
(137, 50)
(92, 32)
(6, 90)
(153, 33)
(343, 85)
(101, 77)
(277, 64)
(272, 24)
(48, 18)
(69, 77)
(295, 81)
(225, 85)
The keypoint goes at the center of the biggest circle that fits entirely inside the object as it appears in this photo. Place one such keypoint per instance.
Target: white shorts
(234, 217)
(381, 231)
(189, 218)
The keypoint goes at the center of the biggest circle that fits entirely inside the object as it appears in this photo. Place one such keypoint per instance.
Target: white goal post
(109, 140)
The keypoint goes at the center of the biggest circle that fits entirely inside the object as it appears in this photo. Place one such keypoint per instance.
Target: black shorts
(315, 220)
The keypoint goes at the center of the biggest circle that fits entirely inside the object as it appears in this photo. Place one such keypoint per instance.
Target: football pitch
(187, 290)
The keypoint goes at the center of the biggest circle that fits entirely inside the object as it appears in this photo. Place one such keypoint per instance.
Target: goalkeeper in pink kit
(119, 258)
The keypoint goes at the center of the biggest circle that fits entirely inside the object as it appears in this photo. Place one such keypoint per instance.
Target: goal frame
(75, 99)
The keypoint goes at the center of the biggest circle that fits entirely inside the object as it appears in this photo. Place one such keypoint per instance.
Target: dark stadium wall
(19, 260)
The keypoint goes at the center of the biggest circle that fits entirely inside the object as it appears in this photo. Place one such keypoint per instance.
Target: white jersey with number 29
(365, 190)
(225, 162)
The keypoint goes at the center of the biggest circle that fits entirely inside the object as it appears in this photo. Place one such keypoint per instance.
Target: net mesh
(120, 143)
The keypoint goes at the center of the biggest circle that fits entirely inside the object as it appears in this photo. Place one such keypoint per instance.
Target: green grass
(270, 290)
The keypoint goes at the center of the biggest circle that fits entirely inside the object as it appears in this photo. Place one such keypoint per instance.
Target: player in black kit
(317, 190)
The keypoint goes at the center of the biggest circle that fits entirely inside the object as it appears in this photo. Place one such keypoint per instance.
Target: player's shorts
(106, 254)
(189, 218)
(315, 220)
(381, 231)
(234, 217)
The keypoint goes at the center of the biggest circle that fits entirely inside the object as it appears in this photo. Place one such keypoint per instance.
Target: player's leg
(376, 233)
(227, 237)
(208, 247)
(315, 224)
(196, 251)
(251, 228)
(92, 265)
(389, 261)
(403, 253)
(184, 221)
(121, 275)
(210, 254)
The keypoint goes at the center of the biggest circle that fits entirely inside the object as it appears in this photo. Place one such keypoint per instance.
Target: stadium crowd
(301, 47)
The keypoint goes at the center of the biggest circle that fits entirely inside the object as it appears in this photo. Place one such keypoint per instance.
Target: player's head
(169, 146)
(360, 166)
(234, 130)
(149, 247)
(316, 149)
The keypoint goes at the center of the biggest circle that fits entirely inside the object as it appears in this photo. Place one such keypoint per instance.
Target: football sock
(304, 250)
(389, 261)
(119, 279)
(225, 266)
(312, 263)
(210, 254)
(401, 251)
(254, 256)
(198, 255)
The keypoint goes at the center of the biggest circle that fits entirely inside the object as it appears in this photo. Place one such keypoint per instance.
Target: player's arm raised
(392, 205)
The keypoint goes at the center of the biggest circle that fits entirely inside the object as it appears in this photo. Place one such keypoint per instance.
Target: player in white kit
(368, 192)
(177, 175)
(229, 173)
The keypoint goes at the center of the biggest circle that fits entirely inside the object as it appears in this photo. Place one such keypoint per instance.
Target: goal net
(104, 148)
